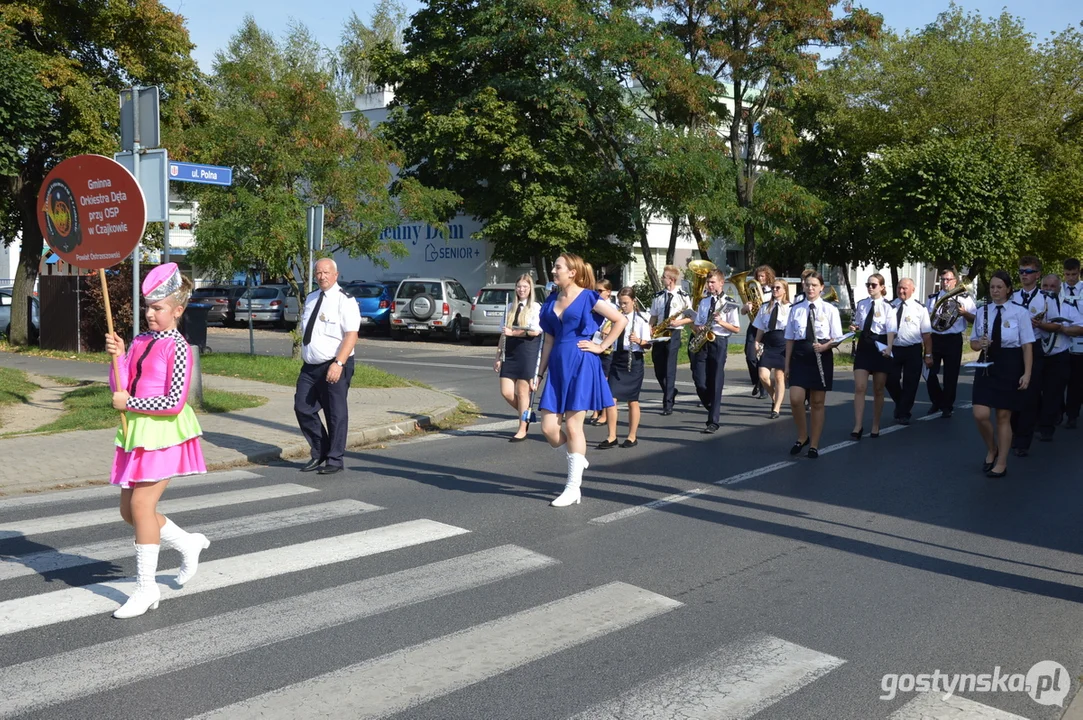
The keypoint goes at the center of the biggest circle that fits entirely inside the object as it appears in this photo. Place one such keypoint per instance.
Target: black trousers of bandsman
(904, 378)
(1055, 376)
(1025, 420)
(948, 357)
(664, 356)
(1074, 396)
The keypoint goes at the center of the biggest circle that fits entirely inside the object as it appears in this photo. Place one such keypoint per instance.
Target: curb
(1075, 707)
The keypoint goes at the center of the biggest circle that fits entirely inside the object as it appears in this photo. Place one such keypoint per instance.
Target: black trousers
(697, 363)
(947, 354)
(1025, 420)
(1055, 373)
(1075, 387)
(751, 360)
(716, 375)
(313, 394)
(906, 364)
(664, 355)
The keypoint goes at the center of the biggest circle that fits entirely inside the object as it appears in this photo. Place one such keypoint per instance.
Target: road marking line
(837, 446)
(654, 504)
(755, 473)
(110, 491)
(109, 665)
(734, 682)
(931, 706)
(411, 676)
(893, 428)
(52, 560)
(61, 605)
(89, 518)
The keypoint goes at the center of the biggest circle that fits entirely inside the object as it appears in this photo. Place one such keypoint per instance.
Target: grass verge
(466, 413)
(283, 370)
(14, 387)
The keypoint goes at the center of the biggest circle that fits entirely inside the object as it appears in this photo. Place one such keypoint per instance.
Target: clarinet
(983, 356)
(819, 360)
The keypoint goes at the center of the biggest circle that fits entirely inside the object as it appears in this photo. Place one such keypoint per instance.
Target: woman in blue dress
(576, 384)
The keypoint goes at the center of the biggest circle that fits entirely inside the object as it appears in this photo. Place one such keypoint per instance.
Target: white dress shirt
(1056, 343)
(965, 302)
(339, 314)
(529, 317)
(883, 316)
(913, 323)
(763, 318)
(679, 303)
(637, 325)
(826, 321)
(1034, 301)
(732, 315)
(1071, 293)
(1015, 327)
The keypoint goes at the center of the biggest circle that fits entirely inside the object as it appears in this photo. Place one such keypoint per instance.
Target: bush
(92, 323)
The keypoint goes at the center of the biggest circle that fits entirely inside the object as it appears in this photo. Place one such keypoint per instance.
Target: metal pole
(136, 254)
(165, 225)
(310, 223)
(248, 294)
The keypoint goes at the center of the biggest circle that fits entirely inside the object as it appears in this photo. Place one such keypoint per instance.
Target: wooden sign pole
(109, 326)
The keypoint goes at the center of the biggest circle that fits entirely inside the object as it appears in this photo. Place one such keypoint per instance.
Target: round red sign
(91, 211)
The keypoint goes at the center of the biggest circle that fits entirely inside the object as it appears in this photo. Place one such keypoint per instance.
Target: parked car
(5, 314)
(487, 313)
(269, 303)
(374, 300)
(430, 305)
(221, 299)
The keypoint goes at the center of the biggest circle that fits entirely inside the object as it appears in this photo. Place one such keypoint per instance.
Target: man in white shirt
(331, 320)
(913, 346)
(947, 346)
(720, 314)
(1071, 291)
(666, 304)
(1031, 298)
(1060, 317)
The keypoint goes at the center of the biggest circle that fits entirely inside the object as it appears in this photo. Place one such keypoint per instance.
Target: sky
(212, 22)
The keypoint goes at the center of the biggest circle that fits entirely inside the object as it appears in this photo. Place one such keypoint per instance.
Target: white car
(487, 313)
(269, 303)
(430, 305)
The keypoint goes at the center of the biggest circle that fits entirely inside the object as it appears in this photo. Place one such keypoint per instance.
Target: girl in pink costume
(163, 434)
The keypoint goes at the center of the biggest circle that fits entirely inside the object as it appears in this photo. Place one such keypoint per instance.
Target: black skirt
(803, 370)
(997, 386)
(626, 383)
(520, 357)
(774, 350)
(868, 357)
(607, 362)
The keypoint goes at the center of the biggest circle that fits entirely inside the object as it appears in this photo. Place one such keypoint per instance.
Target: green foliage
(362, 42)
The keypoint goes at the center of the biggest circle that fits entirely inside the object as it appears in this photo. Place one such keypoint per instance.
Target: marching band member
(813, 331)
(770, 326)
(517, 351)
(576, 383)
(718, 314)
(1004, 334)
(605, 289)
(1032, 299)
(697, 361)
(1071, 292)
(1060, 323)
(800, 296)
(765, 277)
(914, 335)
(667, 303)
(947, 346)
(877, 321)
(626, 371)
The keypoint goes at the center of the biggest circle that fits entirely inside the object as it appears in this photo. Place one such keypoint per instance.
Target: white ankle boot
(577, 463)
(146, 594)
(189, 545)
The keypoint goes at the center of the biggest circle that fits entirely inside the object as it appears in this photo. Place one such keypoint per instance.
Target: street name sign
(206, 174)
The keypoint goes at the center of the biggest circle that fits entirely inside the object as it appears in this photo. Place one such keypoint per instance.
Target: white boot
(577, 463)
(189, 545)
(147, 594)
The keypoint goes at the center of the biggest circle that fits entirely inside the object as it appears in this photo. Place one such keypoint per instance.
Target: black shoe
(629, 443)
(987, 466)
(1021, 452)
(773, 415)
(755, 392)
(946, 415)
(516, 438)
(330, 469)
(903, 420)
(797, 446)
(857, 435)
(874, 435)
(710, 429)
(1000, 474)
(667, 411)
(312, 465)
(932, 410)
(812, 454)
(1071, 424)
(606, 444)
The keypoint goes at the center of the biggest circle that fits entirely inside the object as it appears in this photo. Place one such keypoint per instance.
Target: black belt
(880, 338)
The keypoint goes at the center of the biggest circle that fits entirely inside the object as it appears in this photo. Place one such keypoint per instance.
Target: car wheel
(455, 334)
(477, 339)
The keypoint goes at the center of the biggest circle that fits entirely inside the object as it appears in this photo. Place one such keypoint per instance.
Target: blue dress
(576, 380)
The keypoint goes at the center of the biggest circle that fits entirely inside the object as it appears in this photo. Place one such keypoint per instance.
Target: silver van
(487, 312)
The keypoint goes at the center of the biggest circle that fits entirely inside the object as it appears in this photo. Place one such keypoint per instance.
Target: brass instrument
(699, 268)
(829, 295)
(750, 291)
(701, 338)
(946, 309)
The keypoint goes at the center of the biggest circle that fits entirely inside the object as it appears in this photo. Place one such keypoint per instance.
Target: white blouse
(732, 315)
(763, 318)
(883, 316)
(826, 322)
(1035, 302)
(637, 325)
(913, 321)
(1015, 327)
(529, 318)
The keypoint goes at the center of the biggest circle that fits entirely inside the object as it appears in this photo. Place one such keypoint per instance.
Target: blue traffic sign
(207, 174)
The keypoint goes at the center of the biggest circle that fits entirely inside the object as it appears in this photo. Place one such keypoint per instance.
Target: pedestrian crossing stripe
(411, 676)
(933, 706)
(68, 676)
(61, 605)
(106, 516)
(52, 560)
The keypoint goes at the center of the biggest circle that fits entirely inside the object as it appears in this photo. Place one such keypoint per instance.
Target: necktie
(810, 326)
(1071, 291)
(669, 303)
(312, 320)
(710, 313)
(868, 318)
(774, 318)
(994, 341)
(515, 320)
(1026, 300)
(898, 314)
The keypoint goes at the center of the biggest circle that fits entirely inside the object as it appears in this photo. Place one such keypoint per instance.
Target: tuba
(829, 295)
(699, 268)
(750, 291)
(946, 309)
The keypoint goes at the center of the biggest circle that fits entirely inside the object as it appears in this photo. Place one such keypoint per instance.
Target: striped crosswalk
(426, 568)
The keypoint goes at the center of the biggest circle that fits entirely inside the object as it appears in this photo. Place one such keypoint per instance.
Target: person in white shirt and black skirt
(518, 350)
(770, 326)
(877, 321)
(1005, 337)
(720, 315)
(813, 331)
(626, 369)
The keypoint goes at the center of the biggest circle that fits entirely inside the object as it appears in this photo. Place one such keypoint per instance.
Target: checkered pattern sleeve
(179, 374)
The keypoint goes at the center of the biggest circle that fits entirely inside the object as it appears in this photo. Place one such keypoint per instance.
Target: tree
(362, 42)
(71, 60)
(275, 119)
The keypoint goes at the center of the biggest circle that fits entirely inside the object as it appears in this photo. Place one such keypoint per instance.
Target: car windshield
(264, 293)
(495, 296)
(412, 288)
(365, 291)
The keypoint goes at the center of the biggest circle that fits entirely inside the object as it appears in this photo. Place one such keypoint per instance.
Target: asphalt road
(433, 581)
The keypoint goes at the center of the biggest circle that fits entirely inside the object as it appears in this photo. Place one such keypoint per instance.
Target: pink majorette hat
(161, 282)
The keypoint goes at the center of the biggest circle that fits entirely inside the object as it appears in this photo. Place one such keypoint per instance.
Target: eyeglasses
(778, 287)
(947, 279)
(872, 284)
(1027, 271)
